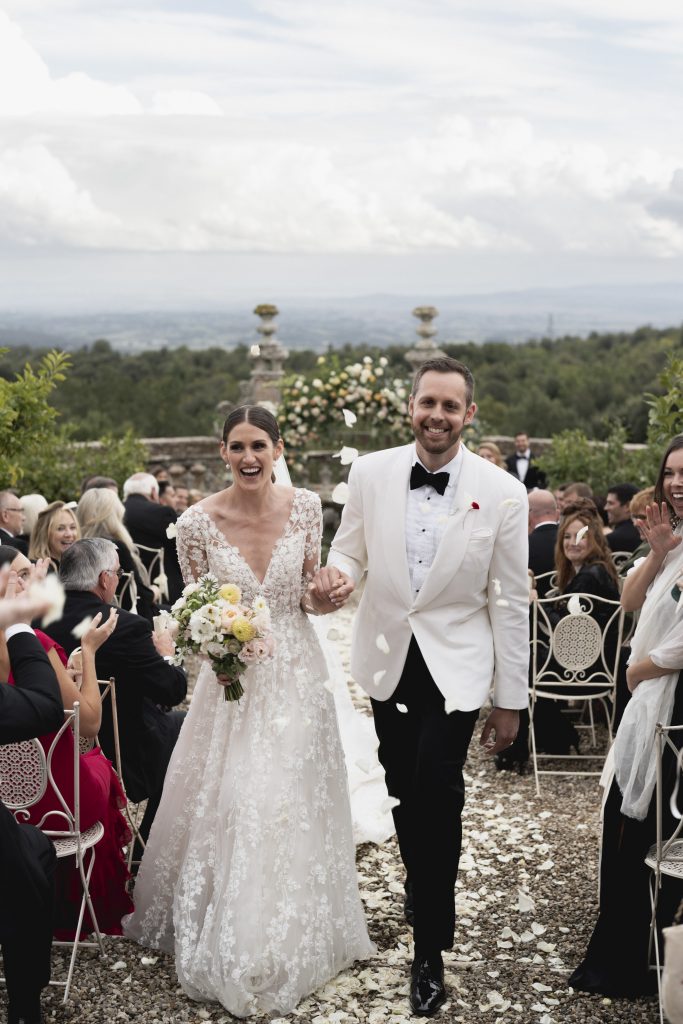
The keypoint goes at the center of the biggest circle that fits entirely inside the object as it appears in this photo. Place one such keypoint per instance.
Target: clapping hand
(99, 631)
(16, 606)
(657, 530)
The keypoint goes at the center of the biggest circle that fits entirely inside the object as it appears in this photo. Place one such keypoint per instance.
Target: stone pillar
(269, 356)
(425, 348)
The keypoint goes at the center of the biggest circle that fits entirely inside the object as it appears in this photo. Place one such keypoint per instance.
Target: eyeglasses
(8, 508)
(116, 572)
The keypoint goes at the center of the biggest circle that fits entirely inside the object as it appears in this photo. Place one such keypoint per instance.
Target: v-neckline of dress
(235, 548)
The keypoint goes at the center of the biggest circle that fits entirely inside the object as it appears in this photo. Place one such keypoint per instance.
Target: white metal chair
(551, 579)
(665, 856)
(153, 559)
(619, 558)
(574, 659)
(129, 589)
(25, 774)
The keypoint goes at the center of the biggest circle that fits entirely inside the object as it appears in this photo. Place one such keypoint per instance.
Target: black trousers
(423, 752)
(26, 920)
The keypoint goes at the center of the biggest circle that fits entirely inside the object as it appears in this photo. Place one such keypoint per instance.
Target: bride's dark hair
(257, 416)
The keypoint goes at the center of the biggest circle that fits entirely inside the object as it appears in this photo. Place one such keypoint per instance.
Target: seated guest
(32, 504)
(147, 522)
(542, 536)
(27, 857)
(55, 531)
(583, 565)
(99, 481)
(181, 499)
(490, 451)
(167, 495)
(160, 473)
(101, 796)
(521, 464)
(148, 684)
(194, 495)
(624, 535)
(639, 503)
(12, 520)
(100, 513)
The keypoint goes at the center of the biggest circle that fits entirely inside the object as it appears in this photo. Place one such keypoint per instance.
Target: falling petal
(402, 708)
(346, 455)
(497, 587)
(82, 628)
(349, 417)
(171, 531)
(502, 603)
(389, 804)
(51, 590)
(574, 606)
(379, 676)
(333, 634)
(341, 493)
(381, 642)
(451, 704)
(581, 534)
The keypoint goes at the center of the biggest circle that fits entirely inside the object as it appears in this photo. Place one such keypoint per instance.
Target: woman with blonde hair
(100, 513)
(490, 451)
(56, 530)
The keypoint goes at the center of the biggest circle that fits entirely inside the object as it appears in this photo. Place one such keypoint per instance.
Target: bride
(249, 873)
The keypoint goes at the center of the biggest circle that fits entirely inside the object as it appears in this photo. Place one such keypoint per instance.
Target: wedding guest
(543, 518)
(12, 521)
(100, 514)
(101, 796)
(639, 503)
(99, 481)
(616, 962)
(182, 496)
(32, 504)
(522, 465)
(27, 857)
(148, 683)
(147, 522)
(160, 473)
(431, 636)
(490, 451)
(194, 495)
(167, 495)
(55, 531)
(624, 535)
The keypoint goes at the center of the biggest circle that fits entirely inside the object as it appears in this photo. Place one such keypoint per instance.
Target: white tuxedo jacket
(470, 636)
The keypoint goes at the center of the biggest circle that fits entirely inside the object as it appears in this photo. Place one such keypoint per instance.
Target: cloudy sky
(203, 151)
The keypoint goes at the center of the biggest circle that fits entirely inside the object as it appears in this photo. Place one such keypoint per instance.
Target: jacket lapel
(461, 521)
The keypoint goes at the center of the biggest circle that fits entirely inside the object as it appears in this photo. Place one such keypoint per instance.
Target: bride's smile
(250, 454)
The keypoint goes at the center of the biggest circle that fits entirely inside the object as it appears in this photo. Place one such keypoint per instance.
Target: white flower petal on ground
(349, 417)
(120, 965)
(379, 676)
(50, 589)
(340, 494)
(148, 961)
(538, 986)
(547, 947)
(538, 929)
(581, 534)
(381, 643)
(171, 531)
(346, 455)
(82, 627)
(402, 708)
(574, 606)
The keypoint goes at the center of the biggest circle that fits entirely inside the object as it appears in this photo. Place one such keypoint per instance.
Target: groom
(444, 616)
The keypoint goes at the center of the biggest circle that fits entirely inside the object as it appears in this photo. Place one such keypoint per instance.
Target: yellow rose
(230, 592)
(243, 630)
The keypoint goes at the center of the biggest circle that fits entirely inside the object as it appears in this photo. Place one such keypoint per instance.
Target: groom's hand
(500, 729)
(331, 588)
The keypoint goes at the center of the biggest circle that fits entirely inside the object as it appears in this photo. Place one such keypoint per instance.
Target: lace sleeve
(191, 543)
(312, 523)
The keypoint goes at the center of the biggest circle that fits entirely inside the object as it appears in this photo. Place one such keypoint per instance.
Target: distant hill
(380, 320)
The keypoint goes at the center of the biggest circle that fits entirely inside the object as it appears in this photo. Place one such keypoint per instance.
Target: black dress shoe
(408, 911)
(427, 990)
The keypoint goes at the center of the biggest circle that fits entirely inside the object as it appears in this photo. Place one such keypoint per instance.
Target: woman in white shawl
(616, 961)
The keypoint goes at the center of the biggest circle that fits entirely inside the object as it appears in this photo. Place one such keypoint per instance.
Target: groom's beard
(437, 444)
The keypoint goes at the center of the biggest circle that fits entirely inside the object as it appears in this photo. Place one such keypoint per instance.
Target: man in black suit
(147, 522)
(148, 684)
(542, 536)
(521, 464)
(32, 707)
(624, 535)
(12, 520)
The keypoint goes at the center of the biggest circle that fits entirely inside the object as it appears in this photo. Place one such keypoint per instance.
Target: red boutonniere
(475, 504)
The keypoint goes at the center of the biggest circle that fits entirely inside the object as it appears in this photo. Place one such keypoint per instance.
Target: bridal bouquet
(210, 619)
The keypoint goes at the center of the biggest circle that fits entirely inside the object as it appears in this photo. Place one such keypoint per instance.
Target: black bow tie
(419, 476)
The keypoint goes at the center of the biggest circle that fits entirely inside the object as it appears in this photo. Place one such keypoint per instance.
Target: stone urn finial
(268, 358)
(425, 348)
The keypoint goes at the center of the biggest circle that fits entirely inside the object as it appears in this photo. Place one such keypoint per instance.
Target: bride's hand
(657, 530)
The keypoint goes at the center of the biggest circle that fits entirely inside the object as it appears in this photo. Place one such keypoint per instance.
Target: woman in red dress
(101, 794)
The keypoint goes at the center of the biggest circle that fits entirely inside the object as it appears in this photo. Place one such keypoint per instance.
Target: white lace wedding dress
(249, 874)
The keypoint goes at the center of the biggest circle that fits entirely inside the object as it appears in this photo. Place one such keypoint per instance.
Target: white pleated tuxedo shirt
(427, 513)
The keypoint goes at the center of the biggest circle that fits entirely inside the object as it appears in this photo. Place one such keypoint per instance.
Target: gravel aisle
(526, 900)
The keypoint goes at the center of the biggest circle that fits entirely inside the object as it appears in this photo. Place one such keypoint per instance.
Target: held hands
(500, 730)
(329, 590)
(657, 530)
